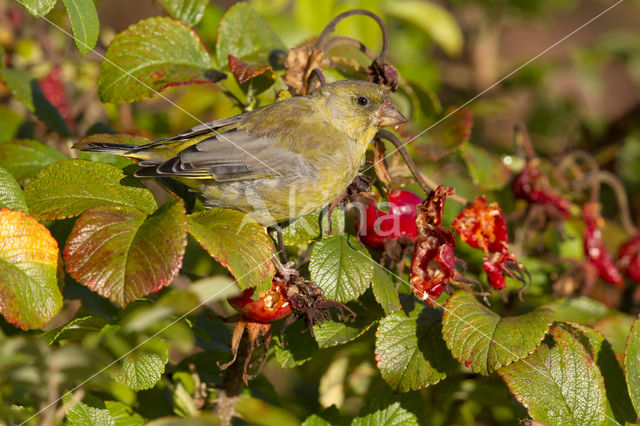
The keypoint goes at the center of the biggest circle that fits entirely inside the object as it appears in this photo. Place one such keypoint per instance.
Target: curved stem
(315, 73)
(348, 41)
(621, 196)
(521, 138)
(425, 183)
(331, 27)
(591, 178)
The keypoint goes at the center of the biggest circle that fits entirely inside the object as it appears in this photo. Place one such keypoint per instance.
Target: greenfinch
(276, 163)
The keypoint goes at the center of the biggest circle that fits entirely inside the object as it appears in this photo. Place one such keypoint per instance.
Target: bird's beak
(388, 115)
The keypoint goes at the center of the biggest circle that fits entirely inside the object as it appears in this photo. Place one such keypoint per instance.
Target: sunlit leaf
(341, 267)
(238, 242)
(410, 352)
(29, 294)
(483, 340)
(11, 195)
(68, 188)
(38, 7)
(123, 254)
(23, 158)
(393, 415)
(188, 11)
(151, 55)
(632, 364)
(84, 23)
(559, 383)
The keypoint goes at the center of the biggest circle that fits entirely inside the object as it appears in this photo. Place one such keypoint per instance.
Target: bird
(277, 162)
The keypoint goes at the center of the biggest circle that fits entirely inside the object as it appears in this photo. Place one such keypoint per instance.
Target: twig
(322, 42)
(348, 41)
(621, 196)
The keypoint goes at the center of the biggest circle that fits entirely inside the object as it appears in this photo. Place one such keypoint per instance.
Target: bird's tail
(107, 147)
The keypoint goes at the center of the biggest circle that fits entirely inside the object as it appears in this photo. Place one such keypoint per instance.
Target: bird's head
(359, 107)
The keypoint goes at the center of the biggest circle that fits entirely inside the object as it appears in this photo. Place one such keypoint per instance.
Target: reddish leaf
(122, 253)
(29, 294)
(244, 72)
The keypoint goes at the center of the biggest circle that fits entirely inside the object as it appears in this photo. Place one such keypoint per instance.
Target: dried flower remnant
(594, 248)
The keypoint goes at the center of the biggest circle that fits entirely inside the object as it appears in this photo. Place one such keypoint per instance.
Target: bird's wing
(228, 156)
(215, 126)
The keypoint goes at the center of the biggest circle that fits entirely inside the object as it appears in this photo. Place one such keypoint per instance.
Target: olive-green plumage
(278, 162)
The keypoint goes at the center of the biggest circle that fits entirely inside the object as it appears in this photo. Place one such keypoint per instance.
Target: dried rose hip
(594, 249)
(483, 227)
(532, 185)
(433, 261)
(629, 259)
(268, 307)
(497, 266)
(399, 222)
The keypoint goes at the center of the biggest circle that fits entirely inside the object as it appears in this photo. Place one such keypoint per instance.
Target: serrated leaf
(297, 347)
(433, 19)
(618, 403)
(28, 91)
(329, 417)
(68, 188)
(84, 23)
(23, 158)
(188, 11)
(38, 8)
(238, 242)
(583, 310)
(29, 293)
(559, 383)
(444, 137)
(11, 195)
(486, 170)
(632, 364)
(410, 352)
(306, 229)
(151, 55)
(91, 411)
(393, 415)
(333, 333)
(384, 290)
(123, 254)
(341, 267)
(142, 369)
(10, 122)
(256, 42)
(483, 340)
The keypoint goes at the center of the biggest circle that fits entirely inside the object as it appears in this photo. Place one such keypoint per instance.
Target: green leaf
(29, 293)
(486, 170)
(433, 19)
(618, 402)
(410, 352)
(341, 267)
(583, 310)
(91, 411)
(444, 137)
(296, 348)
(84, 23)
(38, 8)
(257, 38)
(123, 415)
(483, 340)
(75, 329)
(616, 329)
(329, 417)
(384, 290)
(306, 229)
(632, 364)
(393, 415)
(10, 122)
(188, 11)
(142, 369)
(238, 242)
(23, 158)
(27, 90)
(11, 195)
(559, 383)
(123, 254)
(68, 188)
(151, 55)
(333, 333)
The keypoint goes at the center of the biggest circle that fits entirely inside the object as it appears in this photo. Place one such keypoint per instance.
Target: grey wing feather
(210, 126)
(228, 156)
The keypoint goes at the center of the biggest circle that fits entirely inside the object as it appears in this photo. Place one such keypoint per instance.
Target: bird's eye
(362, 101)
